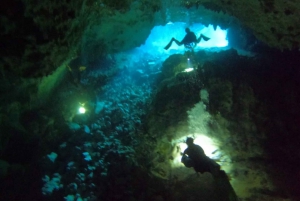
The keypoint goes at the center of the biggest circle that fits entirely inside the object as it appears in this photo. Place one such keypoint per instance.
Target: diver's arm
(185, 152)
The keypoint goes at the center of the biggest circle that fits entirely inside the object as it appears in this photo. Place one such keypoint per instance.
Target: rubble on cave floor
(100, 154)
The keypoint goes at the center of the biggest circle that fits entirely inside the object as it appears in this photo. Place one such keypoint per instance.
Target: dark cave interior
(139, 106)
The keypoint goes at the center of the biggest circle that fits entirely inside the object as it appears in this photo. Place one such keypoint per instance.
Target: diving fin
(169, 45)
(205, 38)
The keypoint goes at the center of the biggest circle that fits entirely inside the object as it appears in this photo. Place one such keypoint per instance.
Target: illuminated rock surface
(140, 104)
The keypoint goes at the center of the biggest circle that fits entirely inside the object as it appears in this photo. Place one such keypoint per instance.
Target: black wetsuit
(201, 162)
(189, 38)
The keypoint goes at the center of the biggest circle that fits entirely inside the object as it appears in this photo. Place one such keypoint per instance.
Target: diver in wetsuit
(194, 156)
(189, 41)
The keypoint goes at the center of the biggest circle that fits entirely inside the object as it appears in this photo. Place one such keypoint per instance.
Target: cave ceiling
(37, 36)
(275, 22)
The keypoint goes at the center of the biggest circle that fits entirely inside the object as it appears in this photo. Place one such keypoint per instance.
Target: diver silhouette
(194, 156)
(189, 41)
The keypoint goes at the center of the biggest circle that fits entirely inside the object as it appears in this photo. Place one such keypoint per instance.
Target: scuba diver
(194, 156)
(189, 41)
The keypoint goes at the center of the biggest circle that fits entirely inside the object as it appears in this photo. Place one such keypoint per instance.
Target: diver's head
(189, 141)
(187, 30)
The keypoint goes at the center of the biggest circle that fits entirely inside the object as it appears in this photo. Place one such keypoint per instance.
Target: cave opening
(111, 121)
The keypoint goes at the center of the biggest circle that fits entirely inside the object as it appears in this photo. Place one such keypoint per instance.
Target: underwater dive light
(189, 66)
(188, 70)
(81, 110)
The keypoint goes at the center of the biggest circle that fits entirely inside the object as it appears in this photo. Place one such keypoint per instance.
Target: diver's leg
(199, 39)
(177, 42)
(169, 44)
(224, 187)
(205, 38)
(171, 41)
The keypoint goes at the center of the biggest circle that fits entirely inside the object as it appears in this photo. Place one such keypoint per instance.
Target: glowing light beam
(208, 145)
(81, 110)
(161, 35)
(188, 70)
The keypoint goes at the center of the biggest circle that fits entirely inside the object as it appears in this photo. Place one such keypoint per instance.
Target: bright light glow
(189, 65)
(217, 37)
(205, 142)
(188, 70)
(209, 146)
(161, 35)
(81, 110)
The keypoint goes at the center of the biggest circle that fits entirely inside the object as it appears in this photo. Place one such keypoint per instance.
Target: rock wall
(38, 37)
(273, 21)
